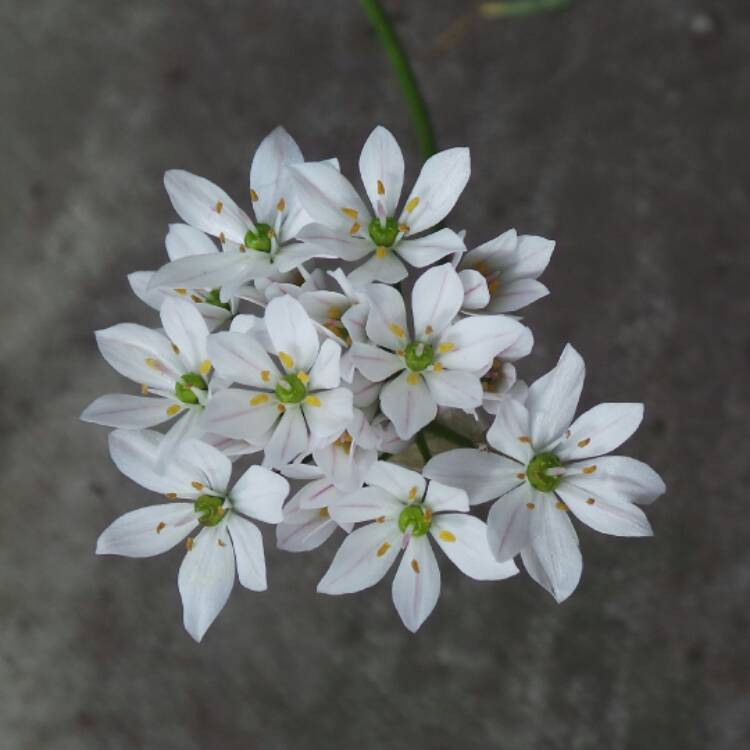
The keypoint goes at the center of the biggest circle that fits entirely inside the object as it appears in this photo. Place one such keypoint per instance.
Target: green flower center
(260, 239)
(536, 472)
(381, 235)
(183, 388)
(419, 356)
(290, 389)
(210, 509)
(213, 298)
(415, 518)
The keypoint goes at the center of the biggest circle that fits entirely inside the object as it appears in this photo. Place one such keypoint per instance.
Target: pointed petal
(139, 282)
(129, 412)
(436, 300)
(248, 552)
(410, 406)
(514, 295)
(509, 522)
(416, 585)
(209, 271)
(386, 323)
(510, 432)
(303, 529)
(381, 166)
(240, 358)
(333, 243)
(260, 493)
(183, 241)
(289, 439)
(326, 372)
(600, 430)
(441, 498)
(404, 484)
(207, 465)
(187, 330)
(231, 413)
(292, 332)
(423, 251)
(187, 425)
(328, 416)
(389, 270)
(476, 293)
(374, 363)
(365, 504)
(453, 388)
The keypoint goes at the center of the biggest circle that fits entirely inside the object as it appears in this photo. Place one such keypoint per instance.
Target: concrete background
(618, 128)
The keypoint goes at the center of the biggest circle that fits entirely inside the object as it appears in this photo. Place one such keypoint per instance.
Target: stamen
(281, 205)
(334, 313)
(189, 543)
(355, 228)
(590, 501)
(381, 188)
(175, 348)
(172, 410)
(530, 506)
(303, 377)
(281, 408)
(415, 566)
(205, 367)
(403, 228)
(524, 439)
(446, 536)
(261, 398)
(521, 475)
(219, 205)
(383, 549)
(584, 443)
(154, 364)
(286, 360)
(195, 298)
(412, 378)
(560, 505)
(181, 291)
(161, 525)
(253, 196)
(323, 513)
(396, 330)
(589, 469)
(429, 330)
(412, 204)
(446, 347)
(265, 376)
(144, 389)
(352, 213)
(437, 367)
(222, 237)
(221, 543)
(198, 485)
(412, 493)
(312, 401)
(380, 519)
(171, 495)
(380, 252)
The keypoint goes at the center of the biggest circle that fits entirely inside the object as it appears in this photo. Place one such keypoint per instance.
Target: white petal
(374, 363)
(148, 531)
(533, 255)
(269, 176)
(299, 470)
(476, 293)
(302, 529)
(441, 497)
(608, 515)
(326, 242)
(206, 579)
(482, 475)
(618, 477)
(240, 358)
(231, 414)
(514, 295)
(324, 192)
(386, 323)
(206, 206)
(553, 399)
(365, 504)
(436, 300)
(416, 585)
(453, 388)
(187, 425)
(404, 484)
(207, 465)
(187, 330)
(129, 412)
(600, 430)
(364, 392)
(381, 165)
(292, 331)
(289, 439)
(509, 521)
(409, 405)
(294, 255)
(183, 241)
(260, 493)
(440, 183)
(346, 468)
(329, 419)
(326, 372)
(139, 282)
(208, 271)
(463, 538)
(363, 559)
(510, 432)
(477, 340)
(553, 559)
(388, 269)
(426, 250)
(248, 551)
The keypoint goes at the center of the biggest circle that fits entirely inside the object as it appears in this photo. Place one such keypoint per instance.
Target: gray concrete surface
(618, 128)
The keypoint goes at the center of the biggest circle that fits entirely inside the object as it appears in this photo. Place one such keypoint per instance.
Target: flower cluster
(285, 333)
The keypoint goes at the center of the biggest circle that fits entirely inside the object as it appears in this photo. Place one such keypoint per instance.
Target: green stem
(441, 430)
(517, 8)
(424, 449)
(405, 75)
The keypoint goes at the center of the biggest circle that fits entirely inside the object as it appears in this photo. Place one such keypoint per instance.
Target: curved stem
(405, 74)
(441, 430)
(517, 8)
(424, 449)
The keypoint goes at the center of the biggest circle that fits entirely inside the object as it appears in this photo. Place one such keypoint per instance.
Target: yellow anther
(253, 196)
(520, 475)
(493, 286)
(198, 486)
(161, 525)
(383, 549)
(219, 205)
(270, 233)
(415, 566)
(205, 367)
(355, 228)
(381, 188)
(303, 377)
(281, 408)
(171, 495)
(189, 543)
(403, 228)
(412, 493)
(221, 543)
(196, 298)
(172, 410)
(412, 378)
(437, 367)
(175, 348)
(181, 291)
(589, 469)
(144, 389)
(242, 249)
(323, 513)
(584, 443)
(396, 330)
(222, 237)
(524, 439)
(446, 536)
(429, 330)
(412, 204)
(427, 514)
(446, 347)
(482, 268)
(590, 501)
(560, 505)
(312, 401)
(380, 519)
(261, 398)
(281, 205)
(334, 313)
(352, 213)
(530, 506)
(265, 375)
(154, 364)
(381, 252)
(286, 360)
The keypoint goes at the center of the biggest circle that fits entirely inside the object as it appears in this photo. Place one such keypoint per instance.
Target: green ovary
(414, 518)
(383, 236)
(419, 356)
(210, 509)
(536, 472)
(260, 239)
(290, 389)
(183, 388)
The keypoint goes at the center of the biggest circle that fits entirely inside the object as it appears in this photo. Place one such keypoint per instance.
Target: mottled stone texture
(618, 128)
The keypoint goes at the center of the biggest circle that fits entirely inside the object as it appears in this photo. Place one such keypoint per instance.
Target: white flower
(440, 360)
(404, 510)
(290, 401)
(172, 368)
(199, 474)
(252, 249)
(549, 467)
(184, 241)
(345, 228)
(500, 276)
(501, 382)
(307, 521)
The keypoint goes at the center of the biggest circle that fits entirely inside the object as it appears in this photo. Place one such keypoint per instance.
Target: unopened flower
(550, 467)
(228, 539)
(404, 509)
(345, 228)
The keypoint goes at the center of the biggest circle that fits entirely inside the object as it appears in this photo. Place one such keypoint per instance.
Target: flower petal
(509, 522)
(374, 363)
(476, 293)
(325, 242)
(388, 269)
(206, 579)
(186, 330)
(140, 282)
(240, 358)
(248, 552)
(416, 585)
(148, 531)
(326, 372)
(260, 493)
(403, 484)
(441, 497)
(516, 294)
(303, 529)
(328, 416)
(510, 432)
(381, 166)
(363, 559)
(440, 183)
(289, 439)
(183, 241)
(409, 405)
(386, 323)
(129, 412)
(453, 388)
(292, 332)
(436, 300)
(477, 340)
(463, 538)
(600, 430)
(231, 413)
(365, 504)
(208, 271)
(423, 251)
